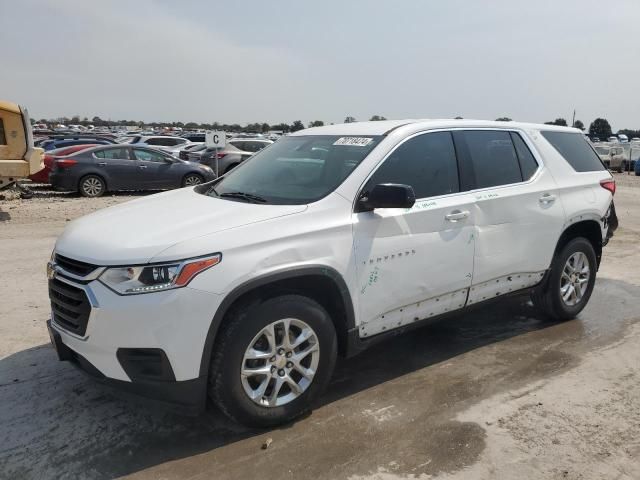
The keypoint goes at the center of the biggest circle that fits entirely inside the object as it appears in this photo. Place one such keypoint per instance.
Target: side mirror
(388, 195)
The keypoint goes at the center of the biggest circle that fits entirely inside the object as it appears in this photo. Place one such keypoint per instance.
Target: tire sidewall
(575, 245)
(81, 189)
(235, 400)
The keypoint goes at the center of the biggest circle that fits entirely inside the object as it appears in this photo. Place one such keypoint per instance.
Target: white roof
(382, 127)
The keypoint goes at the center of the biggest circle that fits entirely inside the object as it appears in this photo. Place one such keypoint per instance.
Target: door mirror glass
(388, 195)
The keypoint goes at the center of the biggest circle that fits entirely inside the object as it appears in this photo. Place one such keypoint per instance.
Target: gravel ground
(495, 393)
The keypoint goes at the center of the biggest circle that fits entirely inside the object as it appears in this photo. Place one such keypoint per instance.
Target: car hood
(136, 231)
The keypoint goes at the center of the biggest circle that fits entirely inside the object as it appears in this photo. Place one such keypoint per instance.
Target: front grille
(70, 307)
(74, 266)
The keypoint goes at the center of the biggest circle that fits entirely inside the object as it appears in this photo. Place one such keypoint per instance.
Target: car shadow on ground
(55, 421)
(41, 190)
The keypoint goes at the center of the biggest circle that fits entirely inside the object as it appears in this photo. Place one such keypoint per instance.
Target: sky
(285, 60)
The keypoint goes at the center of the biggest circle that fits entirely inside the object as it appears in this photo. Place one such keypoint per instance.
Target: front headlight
(152, 278)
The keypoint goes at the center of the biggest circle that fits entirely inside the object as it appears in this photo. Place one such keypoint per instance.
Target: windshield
(295, 170)
(602, 150)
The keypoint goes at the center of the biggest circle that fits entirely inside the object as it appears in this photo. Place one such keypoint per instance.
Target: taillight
(64, 162)
(609, 184)
(222, 155)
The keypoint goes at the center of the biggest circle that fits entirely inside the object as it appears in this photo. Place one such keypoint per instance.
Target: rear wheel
(191, 180)
(570, 282)
(272, 360)
(92, 186)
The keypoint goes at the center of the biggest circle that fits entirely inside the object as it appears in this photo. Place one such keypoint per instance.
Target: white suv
(245, 289)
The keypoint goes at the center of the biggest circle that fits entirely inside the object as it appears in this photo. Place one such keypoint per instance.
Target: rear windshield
(575, 150)
(296, 170)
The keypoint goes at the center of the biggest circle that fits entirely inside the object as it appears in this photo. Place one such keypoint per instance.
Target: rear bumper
(611, 219)
(186, 397)
(63, 181)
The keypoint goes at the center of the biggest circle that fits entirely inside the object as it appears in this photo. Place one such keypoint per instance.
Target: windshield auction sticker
(353, 141)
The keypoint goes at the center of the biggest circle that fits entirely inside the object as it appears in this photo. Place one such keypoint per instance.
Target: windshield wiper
(243, 196)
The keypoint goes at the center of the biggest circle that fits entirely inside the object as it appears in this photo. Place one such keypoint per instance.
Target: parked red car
(42, 176)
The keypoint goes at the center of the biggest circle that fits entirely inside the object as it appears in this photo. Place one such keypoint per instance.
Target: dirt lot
(496, 393)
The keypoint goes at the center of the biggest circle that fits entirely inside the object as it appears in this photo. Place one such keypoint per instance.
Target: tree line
(234, 127)
(600, 127)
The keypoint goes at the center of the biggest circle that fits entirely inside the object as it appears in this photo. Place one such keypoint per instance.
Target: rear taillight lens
(610, 185)
(221, 155)
(64, 162)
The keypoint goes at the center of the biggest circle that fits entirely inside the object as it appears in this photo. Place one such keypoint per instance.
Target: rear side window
(149, 156)
(493, 158)
(575, 150)
(3, 138)
(113, 153)
(528, 163)
(427, 163)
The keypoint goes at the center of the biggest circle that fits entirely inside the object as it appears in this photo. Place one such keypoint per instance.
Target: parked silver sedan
(229, 157)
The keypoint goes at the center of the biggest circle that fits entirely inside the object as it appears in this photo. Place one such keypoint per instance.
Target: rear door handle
(142, 166)
(456, 215)
(547, 199)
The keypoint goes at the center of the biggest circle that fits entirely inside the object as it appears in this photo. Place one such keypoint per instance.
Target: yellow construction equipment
(18, 157)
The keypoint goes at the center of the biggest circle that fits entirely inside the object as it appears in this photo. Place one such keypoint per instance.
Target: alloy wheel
(92, 186)
(575, 279)
(192, 180)
(280, 362)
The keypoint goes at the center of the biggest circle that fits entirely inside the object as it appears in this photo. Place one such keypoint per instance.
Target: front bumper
(150, 344)
(186, 398)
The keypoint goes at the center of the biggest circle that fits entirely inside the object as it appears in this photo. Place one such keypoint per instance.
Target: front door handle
(547, 199)
(456, 215)
(102, 164)
(142, 166)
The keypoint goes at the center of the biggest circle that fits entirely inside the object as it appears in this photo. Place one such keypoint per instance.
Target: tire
(231, 167)
(549, 297)
(92, 186)
(623, 167)
(229, 390)
(192, 179)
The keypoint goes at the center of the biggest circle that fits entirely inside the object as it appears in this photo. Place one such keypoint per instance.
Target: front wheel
(191, 180)
(272, 360)
(570, 282)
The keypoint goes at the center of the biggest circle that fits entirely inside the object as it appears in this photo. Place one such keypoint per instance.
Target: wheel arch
(323, 284)
(589, 229)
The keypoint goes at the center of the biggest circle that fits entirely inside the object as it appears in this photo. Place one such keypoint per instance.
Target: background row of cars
(619, 156)
(94, 164)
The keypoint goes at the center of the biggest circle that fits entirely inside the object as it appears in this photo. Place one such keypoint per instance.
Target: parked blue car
(53, 143)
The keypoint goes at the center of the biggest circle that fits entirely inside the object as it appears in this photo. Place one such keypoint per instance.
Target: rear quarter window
(575, 150)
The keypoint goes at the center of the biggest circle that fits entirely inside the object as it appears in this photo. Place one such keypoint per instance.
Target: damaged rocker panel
(449, 302)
